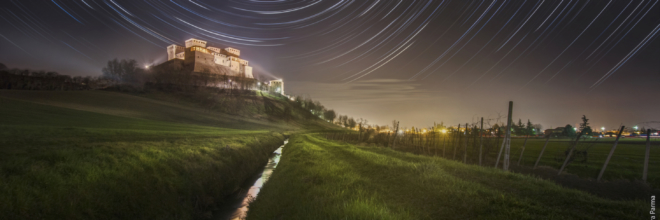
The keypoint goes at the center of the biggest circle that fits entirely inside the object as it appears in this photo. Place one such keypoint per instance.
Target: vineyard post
(444, 144)
(523, 150)
(396, 134)
(609, 156)
(507, 147)
(497, 162)
(646, 158)
(481, 139)
(458, 139)
(542, 150)
(466, 144)
(570, 153)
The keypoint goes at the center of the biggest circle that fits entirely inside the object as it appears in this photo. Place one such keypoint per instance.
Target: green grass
(319, 179)
(106, 155)
(627, 161)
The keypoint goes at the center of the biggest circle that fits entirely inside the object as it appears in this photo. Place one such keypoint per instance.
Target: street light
(602, 128)
(636, 127)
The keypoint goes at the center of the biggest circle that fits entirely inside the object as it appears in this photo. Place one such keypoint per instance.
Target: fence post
(444, 145)
(481, 139)
(396, 134)
(507, 147)
(497, 162)
(542, 150)
(570, 153)
(466, 144)
(646, 158)
(523, 150)
(458, 134)
(609, 156)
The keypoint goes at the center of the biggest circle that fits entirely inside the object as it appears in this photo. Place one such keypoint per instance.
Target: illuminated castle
(210, 59)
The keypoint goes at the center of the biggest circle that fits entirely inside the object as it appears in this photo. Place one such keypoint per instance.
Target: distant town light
(146, 66)
(602, 128)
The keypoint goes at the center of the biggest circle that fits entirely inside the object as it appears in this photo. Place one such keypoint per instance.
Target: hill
(111, 155)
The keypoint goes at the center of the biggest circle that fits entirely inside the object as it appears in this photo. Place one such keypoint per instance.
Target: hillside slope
(162, 106)
(109, 155)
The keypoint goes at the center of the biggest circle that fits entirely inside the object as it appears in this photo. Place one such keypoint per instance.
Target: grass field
(627, 161)
(319, 179)
(107, 155)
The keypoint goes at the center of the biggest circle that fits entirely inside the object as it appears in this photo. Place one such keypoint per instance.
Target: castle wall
(200, 58)
(195, 43)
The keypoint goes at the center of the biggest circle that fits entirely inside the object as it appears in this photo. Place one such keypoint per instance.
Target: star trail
(504, 48)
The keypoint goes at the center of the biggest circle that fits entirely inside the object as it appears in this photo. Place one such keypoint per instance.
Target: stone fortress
(215, 60)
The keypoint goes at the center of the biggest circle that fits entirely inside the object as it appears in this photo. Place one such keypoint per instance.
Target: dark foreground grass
(61, 163)
(319, 179)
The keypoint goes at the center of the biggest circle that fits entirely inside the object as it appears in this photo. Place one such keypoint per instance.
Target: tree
(3, 67)
(530, 128)
(123, 70)
(584, 126)
(538, 128)
(351, 123)
(569, 131)
(330, 115)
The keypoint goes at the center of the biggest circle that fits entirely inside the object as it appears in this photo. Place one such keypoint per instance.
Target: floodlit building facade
(200, 58)
(276, 86)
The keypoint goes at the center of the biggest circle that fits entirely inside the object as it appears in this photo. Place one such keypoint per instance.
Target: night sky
(417, 61)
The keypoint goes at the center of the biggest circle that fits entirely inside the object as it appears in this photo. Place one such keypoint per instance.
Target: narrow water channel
(237, 203)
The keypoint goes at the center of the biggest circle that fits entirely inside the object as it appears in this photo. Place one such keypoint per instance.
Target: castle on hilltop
(199, 58)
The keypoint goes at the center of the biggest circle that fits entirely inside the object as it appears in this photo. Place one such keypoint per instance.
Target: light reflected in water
(241, 212)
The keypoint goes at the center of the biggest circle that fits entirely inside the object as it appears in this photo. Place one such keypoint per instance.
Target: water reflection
(238, 207)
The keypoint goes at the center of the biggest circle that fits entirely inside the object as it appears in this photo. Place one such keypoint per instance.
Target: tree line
(26, 79)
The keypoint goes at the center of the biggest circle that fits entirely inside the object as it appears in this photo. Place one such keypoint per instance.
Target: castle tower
(173, 50)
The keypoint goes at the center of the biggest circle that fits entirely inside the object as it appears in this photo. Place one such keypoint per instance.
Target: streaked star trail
(513, 46)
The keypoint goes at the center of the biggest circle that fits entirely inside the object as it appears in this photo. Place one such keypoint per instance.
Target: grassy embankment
(107, 155)
(627, 162)
(319, 179)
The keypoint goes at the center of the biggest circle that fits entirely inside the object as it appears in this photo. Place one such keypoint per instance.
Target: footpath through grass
(319, 179)
(64, 163)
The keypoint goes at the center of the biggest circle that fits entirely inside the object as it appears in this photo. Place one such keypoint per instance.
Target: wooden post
(646, 158)
(523, 150)
(507, 147)
(481, 139)
(466, 144)
(396, 134)
(444, 145)
(497, 162)
(609, 156)
(542, 150)
(458, 139)
(570, 153)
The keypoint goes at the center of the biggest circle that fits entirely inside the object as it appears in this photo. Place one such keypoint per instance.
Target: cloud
(377, 91)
